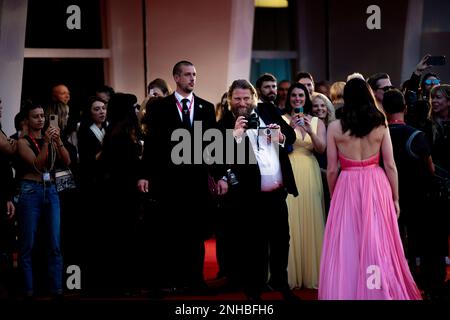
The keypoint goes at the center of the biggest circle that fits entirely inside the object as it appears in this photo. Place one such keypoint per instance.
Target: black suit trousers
(258, 239)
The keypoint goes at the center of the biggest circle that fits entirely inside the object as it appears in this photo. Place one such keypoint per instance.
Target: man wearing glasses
(380, 83)
(429, 81)
(422, 81)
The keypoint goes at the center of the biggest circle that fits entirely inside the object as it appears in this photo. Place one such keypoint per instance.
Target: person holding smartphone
(307, 211)
(38, 205)
(422, 79)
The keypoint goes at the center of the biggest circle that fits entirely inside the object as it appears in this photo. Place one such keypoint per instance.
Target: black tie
(186, 115)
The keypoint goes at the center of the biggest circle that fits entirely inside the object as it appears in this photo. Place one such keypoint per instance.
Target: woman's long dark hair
(307, 108)
(122, 116)
(361, 114)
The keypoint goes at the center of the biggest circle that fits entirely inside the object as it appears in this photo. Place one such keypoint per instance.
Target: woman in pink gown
(362, 256)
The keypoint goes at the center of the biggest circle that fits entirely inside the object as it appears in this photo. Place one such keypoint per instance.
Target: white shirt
(179, 97)
(267, 158)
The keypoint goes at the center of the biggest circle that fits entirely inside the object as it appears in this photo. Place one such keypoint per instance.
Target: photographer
(420, 83)
(257, 228)
(39, 206)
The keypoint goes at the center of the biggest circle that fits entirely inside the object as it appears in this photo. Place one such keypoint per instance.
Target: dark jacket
(249, 175)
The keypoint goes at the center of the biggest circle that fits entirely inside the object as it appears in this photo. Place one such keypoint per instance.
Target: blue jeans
(39, 203)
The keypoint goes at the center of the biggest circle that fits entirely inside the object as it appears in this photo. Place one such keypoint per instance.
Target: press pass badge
(46, 176)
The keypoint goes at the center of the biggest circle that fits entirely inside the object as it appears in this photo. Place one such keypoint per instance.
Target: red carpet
(210, 271)
(210, 268)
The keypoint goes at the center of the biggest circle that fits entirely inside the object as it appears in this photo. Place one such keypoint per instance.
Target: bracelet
(61, 146)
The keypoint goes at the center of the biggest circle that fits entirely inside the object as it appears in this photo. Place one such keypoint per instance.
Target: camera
(264, 131)
(252, 121)
(231, 177)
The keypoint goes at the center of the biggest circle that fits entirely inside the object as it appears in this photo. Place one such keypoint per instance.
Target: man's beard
(245, 112)
(270, 98)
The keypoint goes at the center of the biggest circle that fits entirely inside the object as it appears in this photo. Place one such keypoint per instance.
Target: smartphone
(436, 61)
(301, 121)
(54, 120)
(298, 110)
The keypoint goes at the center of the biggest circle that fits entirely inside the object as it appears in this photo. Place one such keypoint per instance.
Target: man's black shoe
(290, 296)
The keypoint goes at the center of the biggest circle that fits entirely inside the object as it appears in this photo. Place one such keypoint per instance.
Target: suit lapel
(263, 114)
(198, 109)
(173, 111)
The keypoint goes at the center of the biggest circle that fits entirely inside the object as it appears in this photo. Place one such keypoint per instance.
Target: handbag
(64, 180)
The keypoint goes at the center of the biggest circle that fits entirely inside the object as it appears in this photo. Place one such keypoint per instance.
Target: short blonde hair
(330, 114)
(437, 126)
(337, 92)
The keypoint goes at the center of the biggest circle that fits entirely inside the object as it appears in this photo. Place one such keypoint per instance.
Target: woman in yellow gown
(307, 211)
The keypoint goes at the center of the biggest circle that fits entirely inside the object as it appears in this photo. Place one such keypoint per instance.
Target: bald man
(60, 93)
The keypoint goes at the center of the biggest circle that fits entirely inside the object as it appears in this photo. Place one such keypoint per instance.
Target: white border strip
(67, 53)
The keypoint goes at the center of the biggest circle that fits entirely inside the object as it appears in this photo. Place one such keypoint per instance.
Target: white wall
(241, 38)
(124, 38)
(13, 16)
(216, 36)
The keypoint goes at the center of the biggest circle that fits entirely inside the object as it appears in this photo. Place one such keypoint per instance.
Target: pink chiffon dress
(362, 256)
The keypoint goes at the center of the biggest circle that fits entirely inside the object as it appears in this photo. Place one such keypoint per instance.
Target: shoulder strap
(32, 145)
(409, 143)
(314, 124)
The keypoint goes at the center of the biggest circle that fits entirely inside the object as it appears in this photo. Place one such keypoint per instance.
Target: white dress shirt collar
(179, 97)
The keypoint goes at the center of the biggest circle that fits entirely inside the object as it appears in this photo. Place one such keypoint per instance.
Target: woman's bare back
(355, 148)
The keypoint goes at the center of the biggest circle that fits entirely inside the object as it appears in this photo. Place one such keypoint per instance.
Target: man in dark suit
(174, 171)
(258, 227)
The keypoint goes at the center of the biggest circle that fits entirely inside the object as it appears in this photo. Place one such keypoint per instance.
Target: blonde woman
(322, 108)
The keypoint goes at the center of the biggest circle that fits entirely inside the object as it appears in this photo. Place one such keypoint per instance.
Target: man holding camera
(258, 228)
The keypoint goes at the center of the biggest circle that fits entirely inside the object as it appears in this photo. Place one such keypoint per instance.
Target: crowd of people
(342, 188)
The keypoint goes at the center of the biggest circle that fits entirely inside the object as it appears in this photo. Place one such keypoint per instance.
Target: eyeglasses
(432, 81)
(387, 88)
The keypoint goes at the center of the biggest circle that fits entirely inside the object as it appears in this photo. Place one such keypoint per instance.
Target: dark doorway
(81, 76)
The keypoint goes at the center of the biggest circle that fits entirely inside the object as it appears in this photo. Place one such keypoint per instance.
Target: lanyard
(396, 121)
(36, 144)
(181, 108)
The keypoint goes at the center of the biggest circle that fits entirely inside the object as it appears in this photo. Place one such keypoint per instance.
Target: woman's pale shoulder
(381, 129)
(335, 125)
(378, 132)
